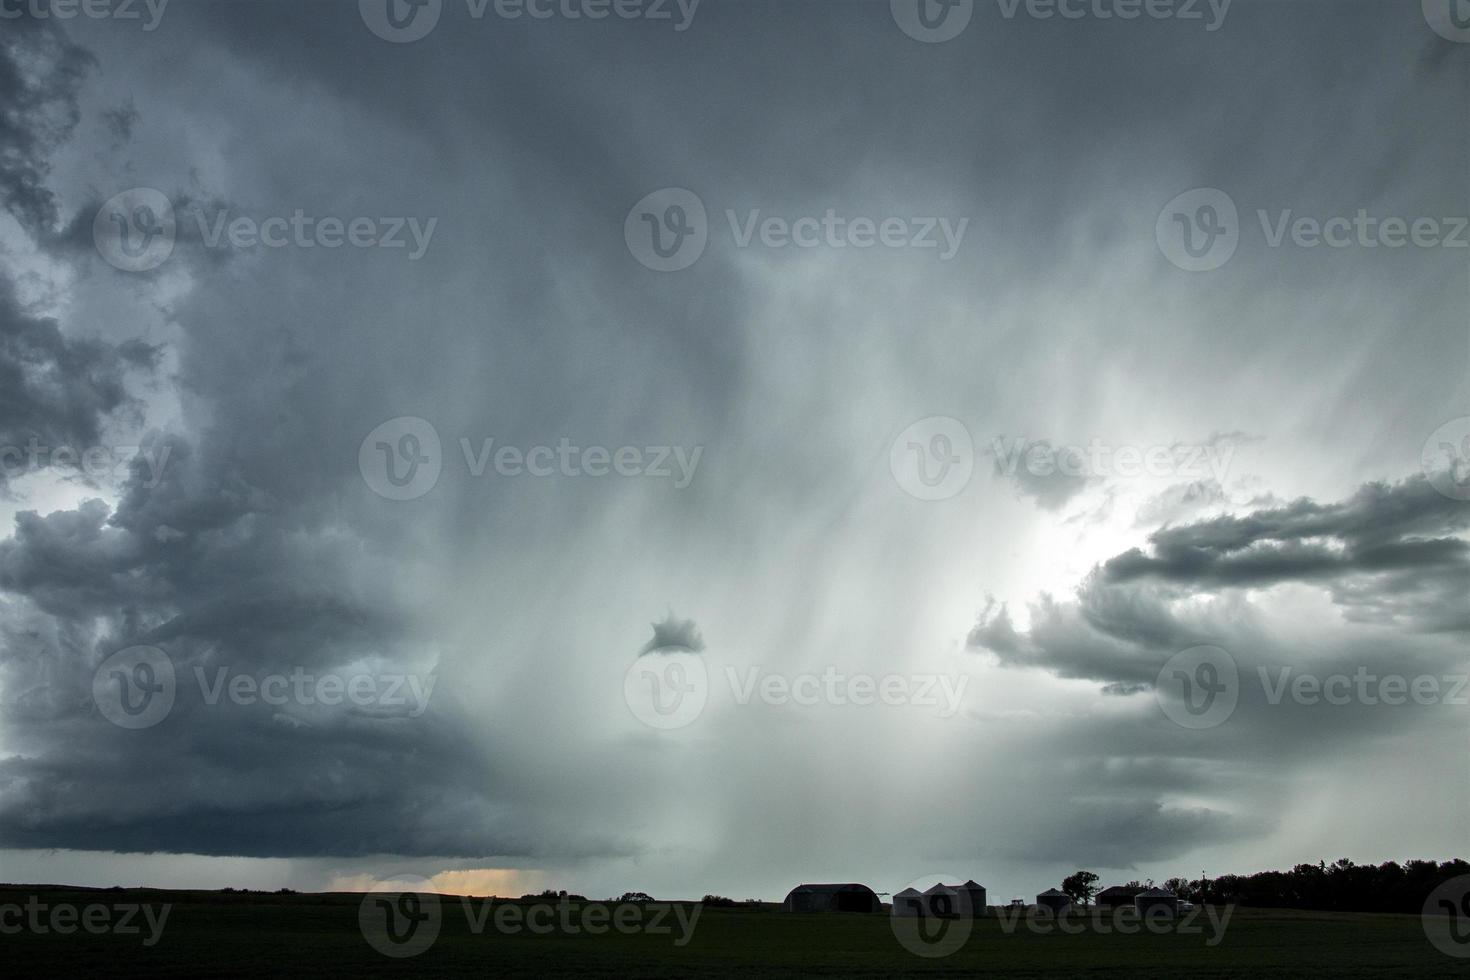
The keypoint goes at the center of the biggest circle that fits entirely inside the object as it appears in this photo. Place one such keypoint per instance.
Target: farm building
(1156, 898)
(1118, 896)
(831, 898)
(908, 903)
(1053, 900)
(941, 901)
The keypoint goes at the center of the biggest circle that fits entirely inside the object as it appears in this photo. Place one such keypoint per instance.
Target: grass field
(246, 934)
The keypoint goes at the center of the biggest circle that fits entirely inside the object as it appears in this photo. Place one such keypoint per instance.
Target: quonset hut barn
(831, 898)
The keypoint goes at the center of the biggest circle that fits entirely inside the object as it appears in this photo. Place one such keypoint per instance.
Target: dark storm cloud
(200, 560)
(226, 591)
(674, 634)
(40, 71)
(1391, 551)
(1122, 770)
(1136, 611)
(261, 548)
(1114, 635)
(57, 391)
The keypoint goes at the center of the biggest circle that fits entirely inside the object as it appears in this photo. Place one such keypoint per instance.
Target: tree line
(1341, 886)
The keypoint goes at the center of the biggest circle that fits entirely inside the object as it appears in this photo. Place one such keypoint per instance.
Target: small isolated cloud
(1049, 475)
(674, 634)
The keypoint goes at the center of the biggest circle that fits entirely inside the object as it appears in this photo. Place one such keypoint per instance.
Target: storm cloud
(251, 532)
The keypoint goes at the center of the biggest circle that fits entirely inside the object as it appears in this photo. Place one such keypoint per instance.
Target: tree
(1080, 887)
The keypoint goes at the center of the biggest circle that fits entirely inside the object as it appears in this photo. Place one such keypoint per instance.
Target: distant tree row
(1341, 886)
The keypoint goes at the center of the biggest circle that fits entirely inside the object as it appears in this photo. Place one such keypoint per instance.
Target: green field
(248, 934)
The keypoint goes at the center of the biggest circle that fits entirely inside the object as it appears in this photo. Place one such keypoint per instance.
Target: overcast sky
(347, 242)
